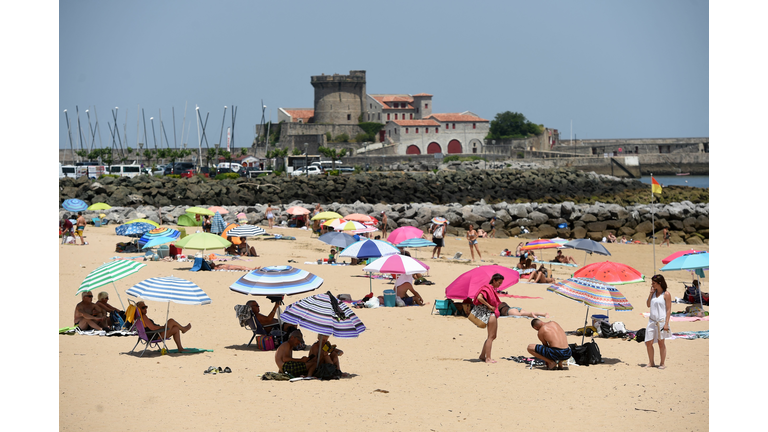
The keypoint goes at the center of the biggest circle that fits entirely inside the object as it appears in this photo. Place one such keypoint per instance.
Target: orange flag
(655, 186)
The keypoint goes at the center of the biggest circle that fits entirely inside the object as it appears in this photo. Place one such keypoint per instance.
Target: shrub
(520, 155)
(328, 137)
(334, 172)
(341, 138)
(361, 137)
(174, 176)
(223, 176)
(109, 175)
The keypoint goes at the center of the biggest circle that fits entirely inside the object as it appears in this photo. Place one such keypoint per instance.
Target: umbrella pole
(118, 295)
(585, 326)
(165, 335)
(319, 348)
(370, 282)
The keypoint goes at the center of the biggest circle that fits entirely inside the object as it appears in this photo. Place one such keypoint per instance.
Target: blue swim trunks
(555, 354)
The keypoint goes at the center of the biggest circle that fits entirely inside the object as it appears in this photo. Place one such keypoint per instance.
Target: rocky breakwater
(443, 187)
(687, 222)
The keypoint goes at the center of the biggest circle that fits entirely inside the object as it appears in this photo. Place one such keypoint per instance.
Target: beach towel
(520, 297)
(275, 376)
(681, 318)
(189, 351)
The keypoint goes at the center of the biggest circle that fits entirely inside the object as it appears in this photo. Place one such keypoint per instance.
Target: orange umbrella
(357, 217)
(221, 210)
(235, 240)
(297, 210)
(610, 273)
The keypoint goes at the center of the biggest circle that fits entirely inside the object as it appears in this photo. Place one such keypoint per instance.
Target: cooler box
(96, 222)
(596, 319)
(389, 298)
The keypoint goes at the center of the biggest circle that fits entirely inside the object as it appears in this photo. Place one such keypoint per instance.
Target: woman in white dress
(660, 303)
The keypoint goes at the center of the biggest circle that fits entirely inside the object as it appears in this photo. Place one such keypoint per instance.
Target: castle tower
(339, 99)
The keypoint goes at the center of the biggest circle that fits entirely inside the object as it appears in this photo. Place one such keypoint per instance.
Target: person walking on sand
(664, 238)
(487, 299)
(554, 347)
(66, 228)
(472, 239)
(492, 234)
(80, 227)
(438, 233)
(660, 303)
(383, 223)
(270, 214)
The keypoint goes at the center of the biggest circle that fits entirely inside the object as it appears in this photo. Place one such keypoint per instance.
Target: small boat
(682, 174)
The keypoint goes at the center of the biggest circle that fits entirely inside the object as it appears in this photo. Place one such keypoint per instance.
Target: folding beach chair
(444, 307)
(148, 338)
(249, 321)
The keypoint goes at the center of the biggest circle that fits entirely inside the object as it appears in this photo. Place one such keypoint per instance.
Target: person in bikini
(472, 239)
(564, 259)
(541, 276)
(554, 347)
(269, 212)
(506, 310)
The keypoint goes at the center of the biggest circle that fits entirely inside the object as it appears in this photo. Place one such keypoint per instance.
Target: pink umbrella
(670, 258)
(404, 233)
(397, 264)
(468, 284)
(221, 210)
(297, 210)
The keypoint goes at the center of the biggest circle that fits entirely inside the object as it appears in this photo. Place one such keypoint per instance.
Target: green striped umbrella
(109, 273)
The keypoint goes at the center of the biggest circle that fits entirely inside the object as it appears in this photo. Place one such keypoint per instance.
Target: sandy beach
(410, 370)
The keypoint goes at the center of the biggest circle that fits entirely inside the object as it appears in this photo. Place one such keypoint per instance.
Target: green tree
(210, 154)
(332, 153)
(243, 151)
(509, 124)
(297, 151)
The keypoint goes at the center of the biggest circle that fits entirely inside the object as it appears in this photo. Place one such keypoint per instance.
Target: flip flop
(227, 370)
(211, 370)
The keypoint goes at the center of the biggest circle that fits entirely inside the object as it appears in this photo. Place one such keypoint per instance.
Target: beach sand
(410, 370)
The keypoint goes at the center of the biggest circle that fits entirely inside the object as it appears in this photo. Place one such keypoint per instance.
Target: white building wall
(468, 137)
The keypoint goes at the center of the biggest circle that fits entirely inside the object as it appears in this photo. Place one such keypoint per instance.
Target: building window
(426, 106)
(380, 116)
(447, 126)
(395, 116)
(349, 116)
(406, 130)
(454, 125)
(437, 130)
(473, 126)
(417, 110)
(411, 116)
(387, 116)
(417, 130)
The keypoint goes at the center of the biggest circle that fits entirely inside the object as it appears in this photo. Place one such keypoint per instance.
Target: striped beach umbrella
(350, 226)
(218, 224)
(169, 289)
(416, 243)
(246, 231)
(158, 232)
(404, 233)
(136, 229)
(369, 249)
(397, 264)
(156, 241)
(149, 221)
(109, 273)
(440, 220)
(242, 218)
(316, 313)
(277, 280)
(610, 272)
(74, 205)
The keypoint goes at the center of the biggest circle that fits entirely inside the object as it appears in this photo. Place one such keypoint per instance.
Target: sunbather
(268, 320)
(403, 284)
(215, 266)
(245, 250)
(564, 259)
(329, 355)
(103, 304)
(506, 310)
(174, 329)
(541, 276)
(88, 316)
(304, 366)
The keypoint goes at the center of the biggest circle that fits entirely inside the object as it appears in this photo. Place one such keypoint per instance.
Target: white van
(235, 167)
(91, 171)
(125, 170)
(326, 165)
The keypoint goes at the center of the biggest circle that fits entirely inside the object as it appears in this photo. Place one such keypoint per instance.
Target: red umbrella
(404, 233)
(670, 258)
(610, 273)
(467, 285)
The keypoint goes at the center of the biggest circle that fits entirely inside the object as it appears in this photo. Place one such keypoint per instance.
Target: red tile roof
(415, 122)
(304, 114)
(423, 94)
(456, 117)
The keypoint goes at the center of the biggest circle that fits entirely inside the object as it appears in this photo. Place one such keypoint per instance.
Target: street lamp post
(141, 146)
(306, 159)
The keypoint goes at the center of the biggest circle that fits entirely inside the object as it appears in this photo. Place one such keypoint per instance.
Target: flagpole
(653, 226)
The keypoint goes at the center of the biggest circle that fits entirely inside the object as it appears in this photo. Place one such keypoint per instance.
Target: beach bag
(438, 232)
(618, 327)
(640, 335)
(480, 315)
(265, 343)
(325, 371)
(586, 354)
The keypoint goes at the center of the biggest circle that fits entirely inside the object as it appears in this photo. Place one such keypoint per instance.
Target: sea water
(691, 180)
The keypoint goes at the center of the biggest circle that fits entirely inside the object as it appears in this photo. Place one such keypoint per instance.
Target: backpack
(438, 233)
(326, 371)
(586, 354)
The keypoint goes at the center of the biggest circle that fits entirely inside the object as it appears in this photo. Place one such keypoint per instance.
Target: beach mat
(189, 351)
(681, 318)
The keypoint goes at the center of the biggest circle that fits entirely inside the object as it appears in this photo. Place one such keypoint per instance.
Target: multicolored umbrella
(540, 244)
(316, 313)
(297, 211)
(440, 220)
(350, 226)
(333, 223)
(404, 233)
(99, 206)
(200, 211)
(158, 232)
(277, 280)
(339, 239)
(328, 215)
(468, 284)
(147, 221)
(74, 205)
(218, 224)
(560, 241)
(220, 210)
(242, 218)
(109, 273)
(155, 241)
(699, 261)
(670, 258)
(610, 272)
(136, 229)
(397, 264)
(246, 231)
(369, 249)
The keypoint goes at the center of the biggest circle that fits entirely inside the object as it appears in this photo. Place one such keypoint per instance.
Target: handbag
(480, 315)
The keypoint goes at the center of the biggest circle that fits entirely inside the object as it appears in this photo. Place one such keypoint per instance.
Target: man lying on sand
(506, 310)
(555, 347)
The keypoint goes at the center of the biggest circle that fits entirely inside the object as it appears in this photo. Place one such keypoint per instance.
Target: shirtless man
(103, 304)
(564, 259)
(304, 366)
(174, 328)
(88, 316)
(403, 284)
(555, 347)
(81, 227)
(268, 320)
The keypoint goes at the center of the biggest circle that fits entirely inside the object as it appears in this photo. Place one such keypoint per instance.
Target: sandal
(227, 370)
(211, 370)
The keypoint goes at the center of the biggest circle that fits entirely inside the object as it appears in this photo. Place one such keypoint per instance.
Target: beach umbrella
(136, 229)
(589, 246)
(109, 273)
(610, 272)
(229, 227)
(158, 232)
(155, 241)
(328, 215)
(297, 211)
(440, 220)
(697, 262)
(350, 226)
(218, 224)
(369, 249)
(246, 231)
(397, 264)
(242, 218)
(220, 210)
(277, 280)
(540, 244)
(99, 206)
(169, 289)
(338, 239)
(592, 293)
(416, 243)
(203, 241)
(365, 229)
(670, 258)
(318, 314)
(357, 217)
(74, 205)
(372, 222)
(200, 211)
(404, 233)
(468, 283)
(147, 221)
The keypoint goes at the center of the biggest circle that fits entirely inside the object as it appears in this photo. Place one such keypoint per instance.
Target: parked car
(160, 170)
(179, 168)
(226, 170)
(313, 170)
(253, 172)
(345, 169)
(67, 171)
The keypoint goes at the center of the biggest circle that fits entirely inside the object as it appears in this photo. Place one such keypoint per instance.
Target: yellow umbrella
(200, 211)
(326, 216)
(99, 206)
(153, 223)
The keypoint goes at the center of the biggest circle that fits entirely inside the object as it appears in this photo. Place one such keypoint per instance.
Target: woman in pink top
(487, 296)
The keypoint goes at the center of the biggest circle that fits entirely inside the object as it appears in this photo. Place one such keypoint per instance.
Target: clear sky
(614, 69)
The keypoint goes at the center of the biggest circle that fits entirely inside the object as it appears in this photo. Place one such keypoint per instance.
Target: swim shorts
(295, 368)
(80, 230)
(438, 242)
(555, 354)
(407, 300)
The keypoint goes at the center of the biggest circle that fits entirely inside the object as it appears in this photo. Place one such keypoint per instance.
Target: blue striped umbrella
(277, 280)
(246, 231)
(158, 232)
(158, 241)
(74, 205)
(136, 229)
(315, 313)
(169, 289)
(217, 224)
(369, 249)
(416, 243)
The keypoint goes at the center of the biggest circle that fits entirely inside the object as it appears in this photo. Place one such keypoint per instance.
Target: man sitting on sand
(564, 259)
(304, 366)
(155, 331)
(88, 316)
(403, 284)
(331, 355)
(554, 348)
(103, 304)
